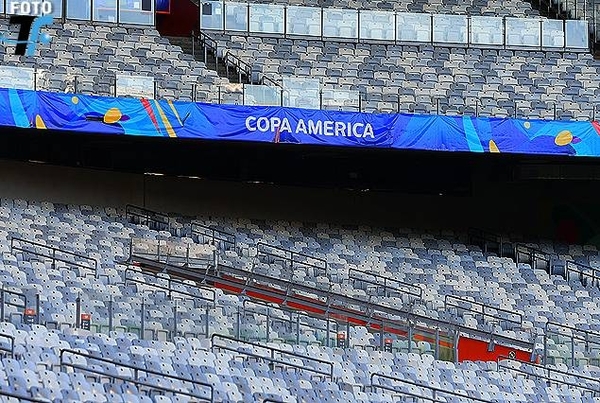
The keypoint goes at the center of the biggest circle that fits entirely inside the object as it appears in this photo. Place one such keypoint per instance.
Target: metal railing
(339, 307)
(575, 336)
(389, 286)
(229, 60)
(273, 355)
(487, 240)
(546, 372)
(413, 389)
(508, 317)
(170, 252)
(356, 25)
(203, 233)
(169, 288)
(153, 219)
(538, 259)
(56, 254)
(208, 388)
(587, 275)
(293, 260)
(295, 326)
(21, 303)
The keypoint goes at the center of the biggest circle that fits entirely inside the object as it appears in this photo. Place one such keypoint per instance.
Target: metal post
(297, 328)
(239, 324)
(75, 84)
(327, 333)
(2, 304)
(347, 333)
(437, 344)
(193, 44)
(142, 330)
(37, 309)
(382, 336)
(410, 337)
(174, 320)
(206, 327)
(545, 348)
(78, 312)
(572, 350)
(268, 324)
(110, 314)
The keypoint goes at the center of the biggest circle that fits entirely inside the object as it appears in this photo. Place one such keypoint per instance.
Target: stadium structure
(296, 201)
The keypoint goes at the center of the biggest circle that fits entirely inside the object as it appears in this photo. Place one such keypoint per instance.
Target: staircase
(204, 50)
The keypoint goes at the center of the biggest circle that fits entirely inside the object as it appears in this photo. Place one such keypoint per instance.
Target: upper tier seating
(428, 79)
(473, 7)
(93, 54)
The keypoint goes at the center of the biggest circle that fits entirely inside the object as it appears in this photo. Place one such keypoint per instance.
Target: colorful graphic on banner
(146, 117)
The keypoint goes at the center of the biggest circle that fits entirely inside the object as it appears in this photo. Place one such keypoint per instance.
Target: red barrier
(477, 350)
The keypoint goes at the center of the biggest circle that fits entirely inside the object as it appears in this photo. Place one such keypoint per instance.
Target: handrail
(11, 339)
(52, 256)
(418, 294)
(343, 300)
(215, 234)
(583, 275)
(169, 289)
(272, 358)
(290, 312)
(261, 246)
(483, 307)
(247, 68)
(427, 387)
(575, 335)
(136, 371)
(148, 215)
(534, 254)
(548, 378)
(22, 398)
(486, 236)
(185, 260)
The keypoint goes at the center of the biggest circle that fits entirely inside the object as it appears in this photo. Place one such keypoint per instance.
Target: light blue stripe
(18, 112)
(471, 135)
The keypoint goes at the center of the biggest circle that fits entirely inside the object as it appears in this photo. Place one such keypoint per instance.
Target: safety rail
(22, 304)
(294, 259)
(22, 398)
(539, 370)
(516, 319)
(136, 371)
(371, 315)
(397, 286)
(175, 253)
(212, 300)
(488, 240)
(56, 254)
(587, 275)
(202, 233)
(538, 259)
(586, 337)
(10, 350)
(153, 219)
(297, 323)
(276, 355)
(413, 392)
(230, 60)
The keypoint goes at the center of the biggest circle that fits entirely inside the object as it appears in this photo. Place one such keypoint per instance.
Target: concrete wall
(517, 207)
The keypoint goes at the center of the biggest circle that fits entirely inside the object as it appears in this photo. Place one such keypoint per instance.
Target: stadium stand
(95, 307)
(85, 58)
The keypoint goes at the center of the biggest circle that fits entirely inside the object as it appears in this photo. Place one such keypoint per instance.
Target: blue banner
(145, 117)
